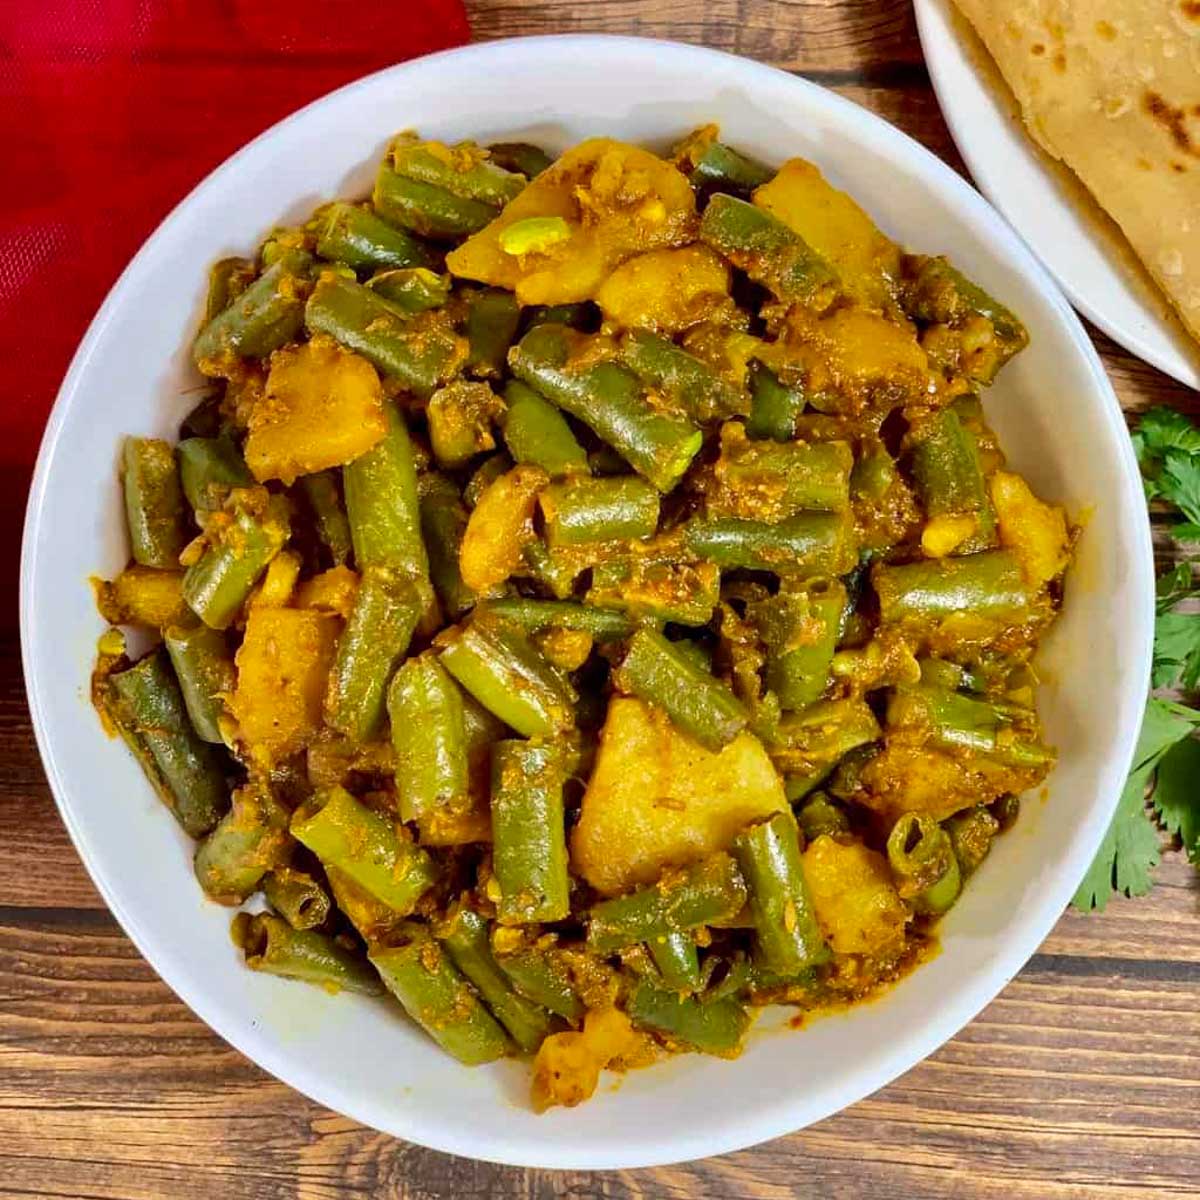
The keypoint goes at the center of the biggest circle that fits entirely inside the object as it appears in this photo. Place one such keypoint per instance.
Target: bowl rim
(734, 1131)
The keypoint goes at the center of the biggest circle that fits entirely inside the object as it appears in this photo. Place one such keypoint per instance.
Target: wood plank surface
(1082, 1080)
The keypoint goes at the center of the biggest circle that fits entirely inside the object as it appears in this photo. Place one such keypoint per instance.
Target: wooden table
(1081, 1080)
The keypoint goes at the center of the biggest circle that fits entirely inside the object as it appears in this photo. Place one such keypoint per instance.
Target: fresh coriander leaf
(1186, 531)
(1179, 482)
(1129, 851)
(1176, 650)
(1161, 429)
(1177, 794)
(1172, 586)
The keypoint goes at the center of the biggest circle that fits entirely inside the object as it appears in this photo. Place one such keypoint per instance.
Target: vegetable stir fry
(590, 603)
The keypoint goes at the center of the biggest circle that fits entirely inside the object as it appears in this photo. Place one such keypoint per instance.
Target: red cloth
(110, 112)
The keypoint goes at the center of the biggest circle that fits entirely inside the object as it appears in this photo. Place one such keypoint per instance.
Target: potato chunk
(283, 665)
(836, 228)
(657, 799)
(500, 526)
(617, 200)
(143, 596)
(322, 407)
(857, 906)
(1036, 532)
(667, 290)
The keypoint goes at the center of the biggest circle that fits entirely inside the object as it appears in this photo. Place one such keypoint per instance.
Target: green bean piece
(228, 278)
(272, 945)
(286, 242)
(417, 351)
(209, 469)
(787, 935)
(204, 667)
(660, 582)
(412, 289)
(950, 482)
(807, 544)
(505, 672)
(216, 586)
(536, 432)
(772, 481)
(298, 897)
(685, 380)
(267, 315)
(937, 293)
(711, 890)
(584, 316)
(923, 862)
(582, 509)
(608, 399)
(426, 209)
(800, 630)
(529, 844)
(249, 840)
(387, 609)
(955, 722)
(535, 616)
(429, 735)
(767, 250)
(324, 495)
(811, 742)
(1006, 810)
(720, 168)
(186, 772)
(154, 511)
(443, 522)
(713, 1027)
(485, 475)
(987, 585)
(818, 815)
(465, 936)
(971, 834)
(463, 170)
(520, 157)
(774, 406)
(678, 961)
(369, 915)
(365, 846)
(352, 234)
(383, 505)
(420, 974)
(491, 326)
(698, 704)
(542, 977)
(460, 417)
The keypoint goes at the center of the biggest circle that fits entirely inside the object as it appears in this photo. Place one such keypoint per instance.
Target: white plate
(1054, 409)
(1048, 206)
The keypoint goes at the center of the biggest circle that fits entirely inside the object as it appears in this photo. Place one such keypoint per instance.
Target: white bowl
(1053, 408)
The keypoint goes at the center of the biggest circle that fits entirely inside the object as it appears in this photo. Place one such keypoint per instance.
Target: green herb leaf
(1177, 794)
(1176, 650)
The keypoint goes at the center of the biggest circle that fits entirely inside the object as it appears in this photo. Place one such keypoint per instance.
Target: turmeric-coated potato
(283, 665)
(500, 525)
(322, 407)
(657, 799)
(1036, 532)
(616, 200)
(857, 905)
(666, 290)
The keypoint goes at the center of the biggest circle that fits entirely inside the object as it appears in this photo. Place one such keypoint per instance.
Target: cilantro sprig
(1167, 758)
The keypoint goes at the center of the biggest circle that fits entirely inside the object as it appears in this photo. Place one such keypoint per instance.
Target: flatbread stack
(1112, 89)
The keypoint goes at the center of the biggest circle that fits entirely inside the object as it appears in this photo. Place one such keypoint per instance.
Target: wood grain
(1082, 1080)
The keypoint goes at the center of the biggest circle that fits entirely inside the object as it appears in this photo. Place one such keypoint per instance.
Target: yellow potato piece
(1036, 532)
(857, 906)
(833, 224)
(617, 200)
(143, 596)
(657, 799)
(283, 665)
(499, 527)
(331, 591)
(322, 407)
(667, 290)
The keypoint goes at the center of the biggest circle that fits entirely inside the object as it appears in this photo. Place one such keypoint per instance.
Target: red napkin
(110, 112)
